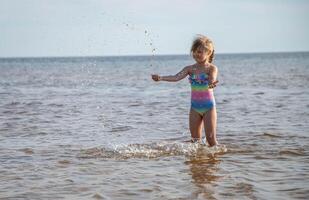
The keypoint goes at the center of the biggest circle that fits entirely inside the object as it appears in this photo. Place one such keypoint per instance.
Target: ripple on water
(121, 128)
(292, 152)
(27, 150)
(271, 135)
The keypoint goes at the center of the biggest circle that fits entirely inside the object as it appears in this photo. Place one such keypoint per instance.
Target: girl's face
(200, 55)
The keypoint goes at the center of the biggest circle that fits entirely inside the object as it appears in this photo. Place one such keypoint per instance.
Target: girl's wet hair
(205, 43)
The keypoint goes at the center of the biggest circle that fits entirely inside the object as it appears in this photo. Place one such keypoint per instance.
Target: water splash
(131, 26)
(152, 150)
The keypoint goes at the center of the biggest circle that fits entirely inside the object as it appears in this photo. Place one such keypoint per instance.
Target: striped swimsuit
(202, 97)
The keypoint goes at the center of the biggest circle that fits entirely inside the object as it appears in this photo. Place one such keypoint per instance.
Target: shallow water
(99, 128)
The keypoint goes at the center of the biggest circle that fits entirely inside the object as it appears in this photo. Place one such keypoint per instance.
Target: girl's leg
(195, 121)
(210, 126)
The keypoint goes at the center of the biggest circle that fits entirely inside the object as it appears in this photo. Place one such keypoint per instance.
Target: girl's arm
(213, 74)
(180, 75)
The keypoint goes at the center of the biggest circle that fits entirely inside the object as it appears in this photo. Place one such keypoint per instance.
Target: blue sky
(30, 28)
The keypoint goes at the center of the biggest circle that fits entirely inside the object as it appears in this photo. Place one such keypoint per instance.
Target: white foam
(153, 150)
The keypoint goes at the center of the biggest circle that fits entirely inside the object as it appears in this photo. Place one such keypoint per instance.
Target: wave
(152, 150)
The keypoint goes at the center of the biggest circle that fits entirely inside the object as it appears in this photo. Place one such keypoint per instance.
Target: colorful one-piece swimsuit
(202, 97)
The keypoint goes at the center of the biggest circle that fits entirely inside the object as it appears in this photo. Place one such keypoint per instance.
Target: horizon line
(146, 55)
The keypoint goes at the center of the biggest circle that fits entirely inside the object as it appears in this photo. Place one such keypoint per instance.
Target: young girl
(203, 78)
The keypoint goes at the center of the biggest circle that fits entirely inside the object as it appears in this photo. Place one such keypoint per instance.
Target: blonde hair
(204, 42)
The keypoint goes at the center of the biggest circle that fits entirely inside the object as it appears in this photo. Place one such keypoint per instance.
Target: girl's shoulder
(190, 68)
(212, 67)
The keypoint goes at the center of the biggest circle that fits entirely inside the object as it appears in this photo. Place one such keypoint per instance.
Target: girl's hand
(155, 77)
(214, 84)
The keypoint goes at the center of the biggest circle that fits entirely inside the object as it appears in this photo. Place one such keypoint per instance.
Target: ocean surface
(100, 128)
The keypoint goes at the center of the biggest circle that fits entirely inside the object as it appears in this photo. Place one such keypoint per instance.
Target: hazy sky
(142, 27)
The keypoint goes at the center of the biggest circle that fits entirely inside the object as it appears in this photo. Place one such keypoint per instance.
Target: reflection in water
(203, 169)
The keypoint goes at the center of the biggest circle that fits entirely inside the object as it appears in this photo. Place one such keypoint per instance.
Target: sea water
(100, 128)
